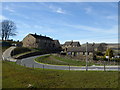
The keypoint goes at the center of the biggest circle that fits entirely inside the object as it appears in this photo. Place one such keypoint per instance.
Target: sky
(78, 21)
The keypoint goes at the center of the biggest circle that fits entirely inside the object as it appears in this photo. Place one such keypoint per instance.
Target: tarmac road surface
(29, 62)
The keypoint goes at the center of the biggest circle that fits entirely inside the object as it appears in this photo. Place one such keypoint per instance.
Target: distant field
(15, 76)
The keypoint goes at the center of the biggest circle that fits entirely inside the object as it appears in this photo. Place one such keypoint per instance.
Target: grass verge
(15, 76)
(55, 60)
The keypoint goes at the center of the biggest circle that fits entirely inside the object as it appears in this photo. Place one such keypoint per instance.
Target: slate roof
(72, 43)
(75, 43)
(41, 37)
(96, 45)
(79, 49)
(56, 41)
(93, 45)
(68, 43)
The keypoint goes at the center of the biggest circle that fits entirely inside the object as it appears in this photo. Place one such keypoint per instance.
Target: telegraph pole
(108, 57)
(87, 56)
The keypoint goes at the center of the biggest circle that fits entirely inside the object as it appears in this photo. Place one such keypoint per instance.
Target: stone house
(96, 46)
(80, 52)
(68, 44)
(41, 42)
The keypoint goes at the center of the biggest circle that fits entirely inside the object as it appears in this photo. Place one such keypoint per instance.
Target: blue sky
(65, 21)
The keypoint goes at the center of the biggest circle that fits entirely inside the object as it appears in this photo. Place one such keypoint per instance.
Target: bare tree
(8, 28)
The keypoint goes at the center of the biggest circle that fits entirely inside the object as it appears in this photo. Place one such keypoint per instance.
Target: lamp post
(87, 56)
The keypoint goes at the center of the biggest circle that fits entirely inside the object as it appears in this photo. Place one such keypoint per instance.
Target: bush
(99, 53)
(20, 50)
(6, 44)
(116, 59)
(99, 58)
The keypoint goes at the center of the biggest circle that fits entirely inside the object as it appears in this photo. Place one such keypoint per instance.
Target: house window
(74, 53)
(69, 53)
(65, 49)
(83, 53)
(88, 53)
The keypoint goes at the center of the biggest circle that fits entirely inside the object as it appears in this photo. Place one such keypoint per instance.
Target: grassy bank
(15, 76)
(55, 60)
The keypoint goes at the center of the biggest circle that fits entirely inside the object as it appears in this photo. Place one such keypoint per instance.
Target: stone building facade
(80, 52)
(41, 42)
(93, 48)
(68, 44)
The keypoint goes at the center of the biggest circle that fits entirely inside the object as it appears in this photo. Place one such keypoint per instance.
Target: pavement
(30, 62)
(7, 54)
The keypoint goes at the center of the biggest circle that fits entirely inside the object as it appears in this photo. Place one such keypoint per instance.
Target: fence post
(69, 67)
(33, 66)
(43, 67)
(104, 66)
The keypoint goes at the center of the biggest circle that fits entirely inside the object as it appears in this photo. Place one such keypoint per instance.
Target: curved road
(29, 62)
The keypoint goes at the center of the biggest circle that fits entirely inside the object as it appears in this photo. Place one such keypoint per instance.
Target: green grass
(15, 76)
(24, 53)
(55, 60)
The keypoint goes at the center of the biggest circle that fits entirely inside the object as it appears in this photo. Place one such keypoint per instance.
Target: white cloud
(112, 30)
(57, 9)
(114, 17)
(88, 10)
(20, 15)
(9, 9)
(2, 17)
(22, 24)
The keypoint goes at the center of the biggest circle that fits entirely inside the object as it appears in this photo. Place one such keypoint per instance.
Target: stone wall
(29, 41)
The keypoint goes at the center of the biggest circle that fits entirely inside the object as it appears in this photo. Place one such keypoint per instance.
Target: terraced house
(79, 51)
(41, 42)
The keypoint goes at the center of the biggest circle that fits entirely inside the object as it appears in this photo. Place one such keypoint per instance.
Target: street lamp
(87, 56)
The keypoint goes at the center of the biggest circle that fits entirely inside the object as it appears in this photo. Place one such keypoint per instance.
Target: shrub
(116, 59)
(99, 53)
